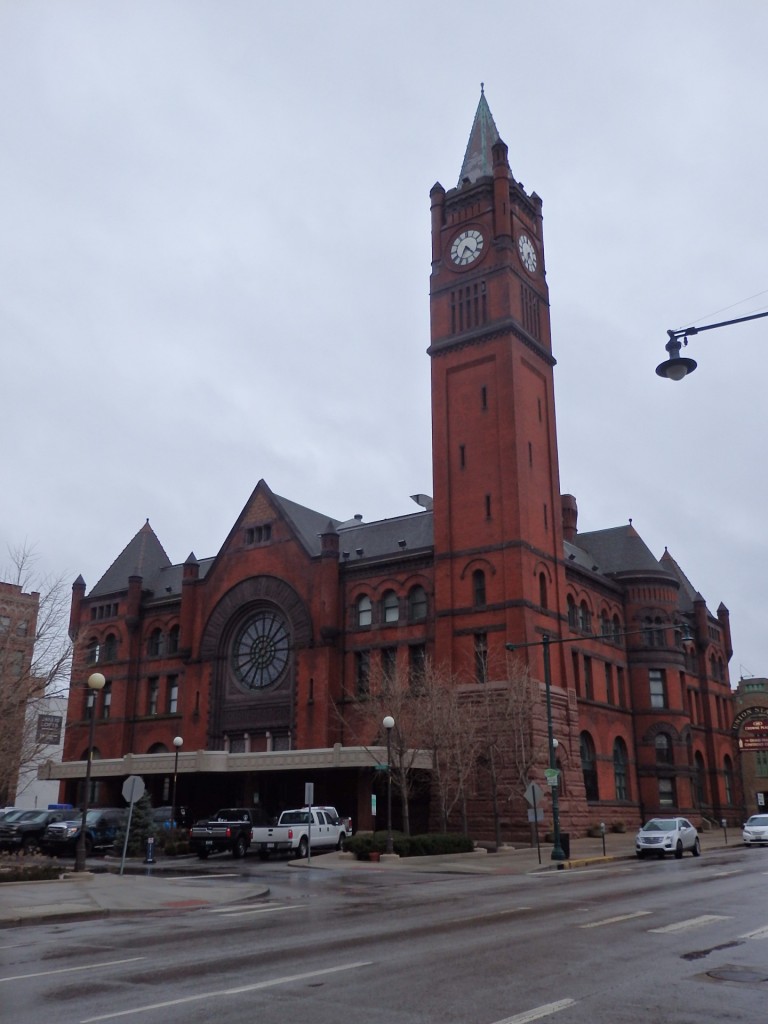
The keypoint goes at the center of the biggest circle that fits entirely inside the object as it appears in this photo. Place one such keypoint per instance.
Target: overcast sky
(215, 255)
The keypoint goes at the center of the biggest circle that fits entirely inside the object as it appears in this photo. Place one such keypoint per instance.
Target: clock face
(527, 253)
(466, 247)
(261, 650)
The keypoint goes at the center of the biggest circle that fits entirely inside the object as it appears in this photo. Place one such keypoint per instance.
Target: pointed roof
(619, 549)
(143, 556)
(478, 159)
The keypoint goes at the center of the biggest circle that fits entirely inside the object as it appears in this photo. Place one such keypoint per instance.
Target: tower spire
(478, 159)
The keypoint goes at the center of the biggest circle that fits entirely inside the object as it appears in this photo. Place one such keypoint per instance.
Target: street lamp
(557, 851)
(178, 743)
(389, 724)
(677, 366)
(96, 682)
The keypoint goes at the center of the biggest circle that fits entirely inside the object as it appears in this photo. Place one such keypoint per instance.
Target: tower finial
(482, 88)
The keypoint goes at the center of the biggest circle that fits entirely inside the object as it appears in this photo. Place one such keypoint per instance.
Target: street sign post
(133, 790)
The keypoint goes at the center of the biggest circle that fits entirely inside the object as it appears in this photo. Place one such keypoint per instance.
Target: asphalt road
(646, 942)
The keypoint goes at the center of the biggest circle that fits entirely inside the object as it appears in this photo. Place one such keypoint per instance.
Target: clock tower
(497, 520)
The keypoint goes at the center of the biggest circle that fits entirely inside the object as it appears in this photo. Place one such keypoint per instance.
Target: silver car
(756, 830)
(660, 836)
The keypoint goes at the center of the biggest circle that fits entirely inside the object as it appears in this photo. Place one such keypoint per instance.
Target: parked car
(755, 831)
(660, 836)
(101, 828)
(25, 831)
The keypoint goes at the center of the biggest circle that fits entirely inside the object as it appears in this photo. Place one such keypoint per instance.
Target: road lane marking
(238, 911)
(540, 1011)
(69, 970)
(692, 922)
(231, 991)
(760, 933)
(198, 878)
(614, 920)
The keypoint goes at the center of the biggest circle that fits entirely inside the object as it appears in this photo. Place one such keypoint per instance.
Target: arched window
(364, 610)
(390, 607)
(616, 629)
(573, 615)
(417, 604)
(620, 760)
(663, 744)
(109, 653)
(478, 588)
(93, 651)
(728, 779)
(605, 625)
(585, 618)
(173, 640)
(543, 591)
(155, 646)
(589, 766)
(158, 748)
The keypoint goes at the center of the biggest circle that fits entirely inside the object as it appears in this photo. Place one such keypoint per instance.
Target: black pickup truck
(229, 829)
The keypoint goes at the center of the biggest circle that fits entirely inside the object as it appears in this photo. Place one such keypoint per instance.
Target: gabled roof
(143, 556)
(308, 525)
(478, 159)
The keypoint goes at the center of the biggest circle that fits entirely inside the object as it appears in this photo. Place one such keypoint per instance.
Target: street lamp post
(677, 366)
(389, 724)
(96, 682)
(178, 743)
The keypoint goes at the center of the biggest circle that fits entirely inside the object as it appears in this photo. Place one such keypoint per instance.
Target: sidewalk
(173, 885)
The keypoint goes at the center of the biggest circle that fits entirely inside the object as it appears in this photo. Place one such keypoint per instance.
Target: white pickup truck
(297, 831)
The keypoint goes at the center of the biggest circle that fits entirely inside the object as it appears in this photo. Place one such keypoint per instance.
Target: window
(417, 663)
(589, 766)
(106, 706)
(417, 604)
(173, 695)
(589, 689)
(609, 694)
(153, 691)
(621, 687)
(585, 618)
(761, 763)
(701, 780)
(664, 754)
(481, 657)
(109, 652)
(155, 645)
(658, 689)
(90, 703)
(666, 793)
(93, 651)
(543, 591)
(573, 615)
(728, 779)
(364, 610)
(576, 673)
(173, 640)
(620, 760)
(605, 625)
(390, 606)
(388, 666)
(5, 623)
(616, 629)
(478, 588)
(362, 673)
(258, 534)
(654, 632)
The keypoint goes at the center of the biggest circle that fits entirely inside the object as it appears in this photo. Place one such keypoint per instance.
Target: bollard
(150, 857)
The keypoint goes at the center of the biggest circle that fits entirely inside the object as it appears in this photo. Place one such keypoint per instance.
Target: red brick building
(257, 656)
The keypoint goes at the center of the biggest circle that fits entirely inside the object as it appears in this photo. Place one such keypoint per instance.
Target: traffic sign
(534, 794)
(133, 788)
(551, 774)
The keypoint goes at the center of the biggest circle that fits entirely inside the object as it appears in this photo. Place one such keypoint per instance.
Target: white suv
(660, 836)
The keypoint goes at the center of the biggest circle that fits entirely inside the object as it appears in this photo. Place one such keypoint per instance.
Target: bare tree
(35, 661)
(505, 709)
